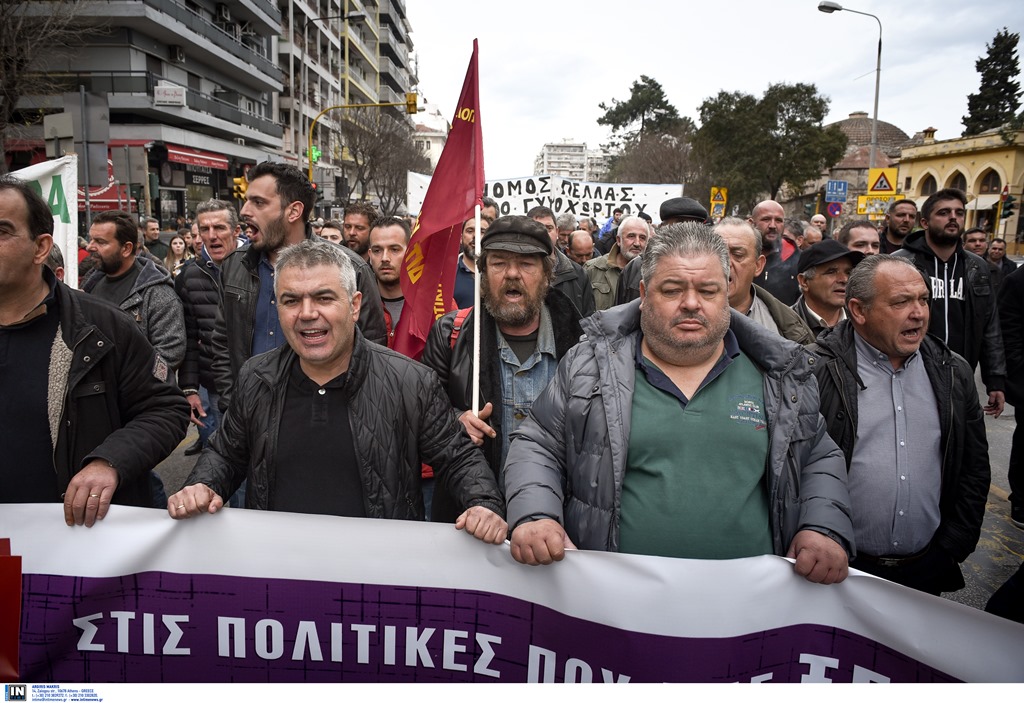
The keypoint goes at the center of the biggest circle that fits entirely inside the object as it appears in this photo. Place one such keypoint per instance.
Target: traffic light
(410, 103)
(809, 210)
(241, 185)
(1008, 206)
(317, 194)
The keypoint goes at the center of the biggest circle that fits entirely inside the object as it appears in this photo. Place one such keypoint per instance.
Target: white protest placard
(57, 182)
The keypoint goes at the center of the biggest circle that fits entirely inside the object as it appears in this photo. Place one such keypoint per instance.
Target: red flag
(428, 271)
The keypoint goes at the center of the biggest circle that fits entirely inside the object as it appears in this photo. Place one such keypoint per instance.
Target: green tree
(756, 146)
(998, 99)
(663, 157)
(647, 111)
(651, 138)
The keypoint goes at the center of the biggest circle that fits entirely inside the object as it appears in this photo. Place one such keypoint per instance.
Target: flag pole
(476, 308)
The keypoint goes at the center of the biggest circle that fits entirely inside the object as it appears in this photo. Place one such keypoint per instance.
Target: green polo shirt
(695, 472)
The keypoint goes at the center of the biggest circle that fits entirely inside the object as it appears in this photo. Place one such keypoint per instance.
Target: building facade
(982, 166)
(339, 53)
(573, 160)
(183, 96)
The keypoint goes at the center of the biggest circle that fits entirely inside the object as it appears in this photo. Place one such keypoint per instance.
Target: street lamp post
(305, 61)
(829, 7)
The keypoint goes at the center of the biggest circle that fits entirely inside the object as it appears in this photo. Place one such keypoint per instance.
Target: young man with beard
(604, 271)
(900, 220)
(680, 428)
(963, 301)
(389, 238)
(465, 274)
(356, 224)
(526, 325)
(136, 285)
(277, 203)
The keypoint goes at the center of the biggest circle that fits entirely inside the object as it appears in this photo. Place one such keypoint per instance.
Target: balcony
(392, 44)
(266, 7)
(219, 35)
(395, 76)
(142, 83)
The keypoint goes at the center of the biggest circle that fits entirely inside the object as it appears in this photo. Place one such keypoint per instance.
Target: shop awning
(195, 157)
(984, 202)
(106, 198)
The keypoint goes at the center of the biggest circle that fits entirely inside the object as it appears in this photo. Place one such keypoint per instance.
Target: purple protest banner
(243, 596)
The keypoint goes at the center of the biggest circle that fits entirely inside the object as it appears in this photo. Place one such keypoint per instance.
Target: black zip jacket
(965, 465)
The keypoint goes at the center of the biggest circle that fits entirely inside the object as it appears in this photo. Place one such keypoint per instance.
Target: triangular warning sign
(717, 197)
(881, 185)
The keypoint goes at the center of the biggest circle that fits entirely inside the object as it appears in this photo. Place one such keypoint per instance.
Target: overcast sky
(545, 66)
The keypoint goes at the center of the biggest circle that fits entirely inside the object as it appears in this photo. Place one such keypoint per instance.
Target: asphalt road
(999, 553)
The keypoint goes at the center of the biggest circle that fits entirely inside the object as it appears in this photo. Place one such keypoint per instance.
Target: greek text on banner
(245, 596)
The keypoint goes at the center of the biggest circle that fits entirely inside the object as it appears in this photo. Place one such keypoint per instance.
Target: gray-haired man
(317, 425)
(583, 470)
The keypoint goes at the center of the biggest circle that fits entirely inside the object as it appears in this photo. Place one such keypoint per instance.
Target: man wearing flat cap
(672, 211)
(822, 274)
(526, 326)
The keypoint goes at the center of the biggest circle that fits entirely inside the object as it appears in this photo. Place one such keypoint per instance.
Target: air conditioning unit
(223, 13)
(177, 54)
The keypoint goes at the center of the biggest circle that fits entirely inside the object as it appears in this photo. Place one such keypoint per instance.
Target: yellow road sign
(882, 181)
(875, 206)
(719, 195)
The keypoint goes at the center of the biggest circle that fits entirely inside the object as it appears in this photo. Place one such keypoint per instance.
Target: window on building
(958, 181)
(928, 185)
(990, 183)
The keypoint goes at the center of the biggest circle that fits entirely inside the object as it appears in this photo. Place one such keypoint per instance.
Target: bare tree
(393, 176)
(31, 31)
(379, 145)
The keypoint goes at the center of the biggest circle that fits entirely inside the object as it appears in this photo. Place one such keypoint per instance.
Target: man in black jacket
(525, 327)
(568, 276)
(88, 411)
(332, 424)
(1011, 317)
(905, 412)
(963, 299)
(278, 201)
(198, 286)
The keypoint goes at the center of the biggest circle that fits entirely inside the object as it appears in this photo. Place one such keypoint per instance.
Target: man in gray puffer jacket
(678, 428)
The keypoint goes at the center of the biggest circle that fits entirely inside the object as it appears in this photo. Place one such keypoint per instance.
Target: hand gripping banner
(248, 596)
